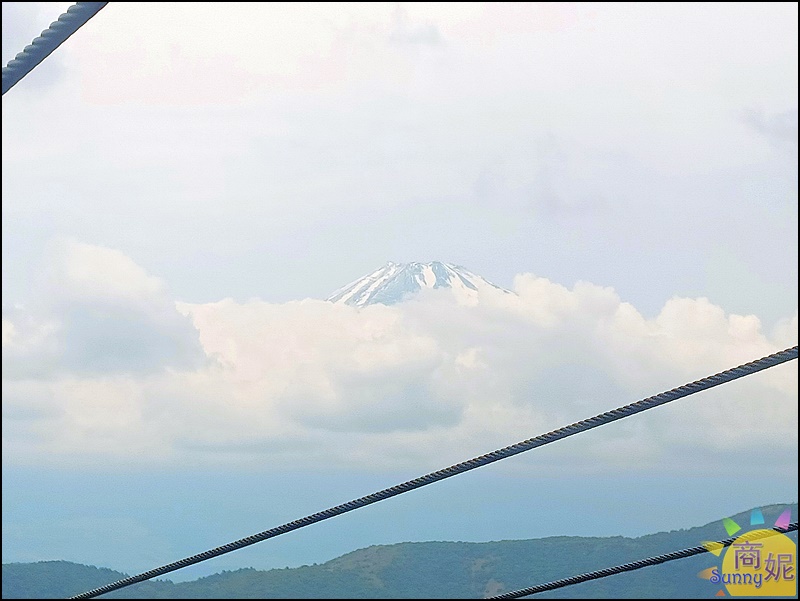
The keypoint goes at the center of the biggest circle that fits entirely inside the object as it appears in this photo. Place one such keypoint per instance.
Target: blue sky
(182, 184)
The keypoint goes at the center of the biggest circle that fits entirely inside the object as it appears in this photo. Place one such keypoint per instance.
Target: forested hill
(426, 570)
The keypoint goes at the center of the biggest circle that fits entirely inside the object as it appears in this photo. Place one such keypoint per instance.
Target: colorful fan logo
(759, 562)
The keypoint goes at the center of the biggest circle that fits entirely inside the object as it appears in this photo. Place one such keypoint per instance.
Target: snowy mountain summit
(396, 282)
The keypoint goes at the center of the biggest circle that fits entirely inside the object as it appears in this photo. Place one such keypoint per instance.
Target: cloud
(85, 272)
(406, 32)
(779, 128)
(8, 333)
(414, 385)
(99, 313)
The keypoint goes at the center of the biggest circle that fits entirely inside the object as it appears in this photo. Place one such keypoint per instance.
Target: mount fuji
(396, 282)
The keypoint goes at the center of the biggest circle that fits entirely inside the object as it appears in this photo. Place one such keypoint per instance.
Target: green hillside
(424, 570)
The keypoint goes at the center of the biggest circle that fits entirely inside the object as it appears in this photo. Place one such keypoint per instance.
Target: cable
(526, 445)
(50, 39)
(642, 563)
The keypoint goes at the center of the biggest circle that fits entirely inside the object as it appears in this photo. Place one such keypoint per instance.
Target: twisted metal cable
(50, 39)
(642, 563)
(526, 445)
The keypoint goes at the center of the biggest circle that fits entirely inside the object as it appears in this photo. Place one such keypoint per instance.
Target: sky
(185, 183)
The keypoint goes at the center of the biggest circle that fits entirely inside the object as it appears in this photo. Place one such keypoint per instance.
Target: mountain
(428, 570)
(396, 282)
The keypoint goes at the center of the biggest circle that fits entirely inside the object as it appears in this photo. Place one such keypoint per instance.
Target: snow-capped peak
(395, 282)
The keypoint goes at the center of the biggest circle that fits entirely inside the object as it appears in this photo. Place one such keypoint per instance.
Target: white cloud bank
(110, 370)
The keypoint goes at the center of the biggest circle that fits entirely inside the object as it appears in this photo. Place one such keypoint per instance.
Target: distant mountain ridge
(427, 570)
(395, 282)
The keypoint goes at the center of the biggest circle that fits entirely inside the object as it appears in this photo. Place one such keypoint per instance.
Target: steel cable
(51, 38)
(636, 565)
